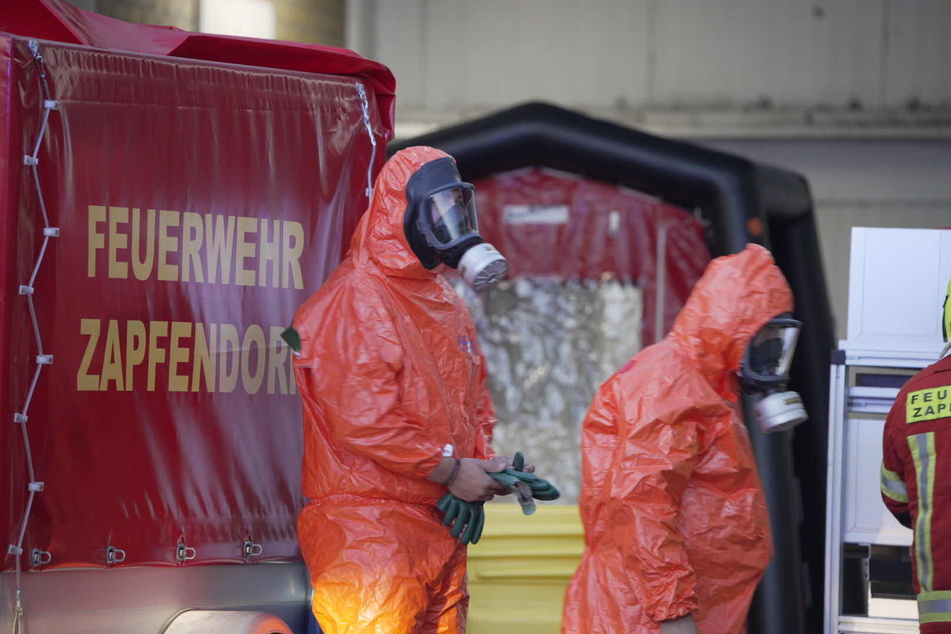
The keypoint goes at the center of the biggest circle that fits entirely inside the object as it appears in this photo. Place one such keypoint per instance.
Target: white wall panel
(919, 53)
(498, 52)
(835, 227)
(469, 56)
(734, 52)
(850, 170)
(399, 41)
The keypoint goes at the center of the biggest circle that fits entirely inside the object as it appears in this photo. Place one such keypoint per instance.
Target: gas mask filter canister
(482, 266)
(779, 411)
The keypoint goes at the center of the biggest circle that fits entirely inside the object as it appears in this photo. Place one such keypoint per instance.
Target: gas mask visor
(449, 215)
(765, 373)
(769, 355)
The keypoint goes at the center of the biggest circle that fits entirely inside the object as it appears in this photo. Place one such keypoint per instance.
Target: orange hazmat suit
(674, 515)
(390, 375)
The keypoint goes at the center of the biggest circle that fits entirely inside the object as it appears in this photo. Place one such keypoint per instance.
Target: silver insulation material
(549, 345)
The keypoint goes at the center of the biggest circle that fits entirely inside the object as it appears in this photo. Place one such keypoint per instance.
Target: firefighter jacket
(916, 485)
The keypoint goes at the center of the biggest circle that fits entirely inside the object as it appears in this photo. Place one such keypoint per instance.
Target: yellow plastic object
(519, 570)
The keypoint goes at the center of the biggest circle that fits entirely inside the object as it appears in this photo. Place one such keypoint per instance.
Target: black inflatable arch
(742, 202)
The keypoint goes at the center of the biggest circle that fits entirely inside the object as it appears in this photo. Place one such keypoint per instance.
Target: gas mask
(764, 374)
(442, 226)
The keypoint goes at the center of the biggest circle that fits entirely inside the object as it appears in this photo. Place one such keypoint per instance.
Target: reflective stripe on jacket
(916, 485)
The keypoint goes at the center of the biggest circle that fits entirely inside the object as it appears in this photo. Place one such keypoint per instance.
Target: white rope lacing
(365, 105)
(42, 358)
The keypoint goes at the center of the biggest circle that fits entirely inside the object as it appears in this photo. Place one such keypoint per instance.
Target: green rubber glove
(464, 519)
(518, 461)
(526, 485)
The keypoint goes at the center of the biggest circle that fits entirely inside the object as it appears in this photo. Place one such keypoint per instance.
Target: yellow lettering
(228, 351)
(157, 329)
(187, 246)
(176, 355)
(112, 360)
(252, 380)
(167, 244)
(97, 214)
(293, 243)
(203, 360)
(142, 268)
(200, 357)
(932, 403)
(117, 240)
(246, 225)
(192, 238)
(277, 362)
(269, 251)
(135, 349)
(86, 382)
(220, 249)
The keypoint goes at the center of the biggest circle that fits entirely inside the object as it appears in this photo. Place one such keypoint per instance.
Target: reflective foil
(549, 345)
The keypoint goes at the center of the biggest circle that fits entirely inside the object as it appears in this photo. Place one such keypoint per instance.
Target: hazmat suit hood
(380, 235)
(736, 296)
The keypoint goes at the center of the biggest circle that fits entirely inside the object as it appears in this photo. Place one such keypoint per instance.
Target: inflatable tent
(573, 200)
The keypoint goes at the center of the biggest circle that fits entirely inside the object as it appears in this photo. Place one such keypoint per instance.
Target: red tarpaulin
(555, 224)
(198, 204)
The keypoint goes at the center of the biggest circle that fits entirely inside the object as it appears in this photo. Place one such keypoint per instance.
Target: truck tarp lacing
(32, 161)
(365, 106)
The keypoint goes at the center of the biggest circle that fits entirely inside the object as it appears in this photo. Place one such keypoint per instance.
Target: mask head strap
(946, 315)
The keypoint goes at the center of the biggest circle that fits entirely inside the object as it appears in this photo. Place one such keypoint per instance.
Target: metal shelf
(848, 406)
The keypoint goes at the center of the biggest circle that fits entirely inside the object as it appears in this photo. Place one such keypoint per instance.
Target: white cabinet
(897, 283)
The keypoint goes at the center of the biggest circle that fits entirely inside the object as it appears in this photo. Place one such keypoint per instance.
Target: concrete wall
(311, 21)
(860, 183)
(453, 57)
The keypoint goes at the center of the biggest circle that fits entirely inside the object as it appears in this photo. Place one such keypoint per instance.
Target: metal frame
(843, 403)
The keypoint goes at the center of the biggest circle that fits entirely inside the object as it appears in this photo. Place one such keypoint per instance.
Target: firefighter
(677, 532)
(396, 409)
(915, 482)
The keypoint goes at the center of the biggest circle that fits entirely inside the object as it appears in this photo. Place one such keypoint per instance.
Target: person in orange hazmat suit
(396, 409)
(677, 533)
